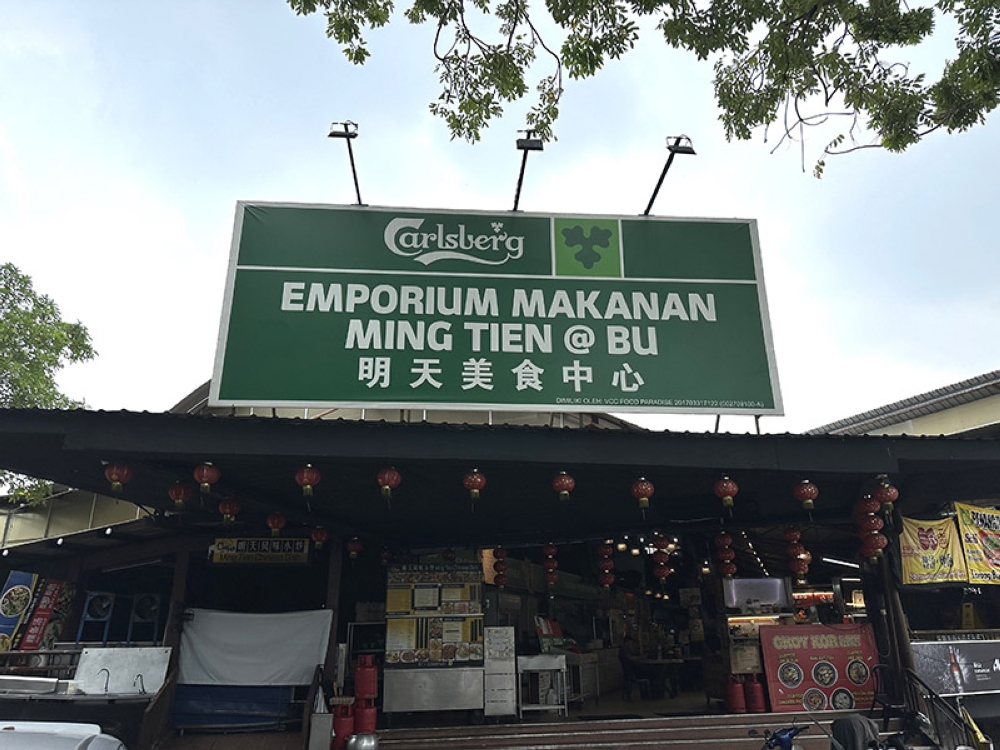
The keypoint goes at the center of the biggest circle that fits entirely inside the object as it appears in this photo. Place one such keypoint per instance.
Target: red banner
(819, 667)
(39, 621)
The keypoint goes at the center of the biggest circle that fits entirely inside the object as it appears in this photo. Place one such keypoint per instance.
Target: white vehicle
(54, 735)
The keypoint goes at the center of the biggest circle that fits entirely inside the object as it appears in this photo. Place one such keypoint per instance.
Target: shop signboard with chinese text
(931, 552)
(980, 530)
(347, 306)
(260, 551)
(819, 667)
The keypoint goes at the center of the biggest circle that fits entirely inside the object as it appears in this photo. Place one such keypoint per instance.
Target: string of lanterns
(798, 556)
(661, 558)
(725, 555)
(605, 564)
(869, 523)
(550, 564)
(500, 567)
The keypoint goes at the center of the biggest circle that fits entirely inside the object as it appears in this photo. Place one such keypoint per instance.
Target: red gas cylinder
(735, 702)
(753, 692)
(365, 717)
(366, 677)
(343, 726)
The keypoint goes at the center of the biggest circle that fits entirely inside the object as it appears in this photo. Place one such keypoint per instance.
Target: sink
(27, 685)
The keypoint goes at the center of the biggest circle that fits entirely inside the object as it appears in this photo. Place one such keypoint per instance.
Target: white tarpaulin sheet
(235, 648)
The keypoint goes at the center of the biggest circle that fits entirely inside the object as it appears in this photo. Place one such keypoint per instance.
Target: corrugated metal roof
(932, 402)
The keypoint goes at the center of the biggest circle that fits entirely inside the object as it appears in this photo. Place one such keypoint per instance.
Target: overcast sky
(128, 131)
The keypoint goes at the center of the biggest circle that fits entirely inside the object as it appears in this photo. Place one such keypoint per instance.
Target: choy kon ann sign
(355, 306)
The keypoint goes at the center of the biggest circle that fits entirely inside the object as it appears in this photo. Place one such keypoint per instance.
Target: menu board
(819, 667)
(434, 615)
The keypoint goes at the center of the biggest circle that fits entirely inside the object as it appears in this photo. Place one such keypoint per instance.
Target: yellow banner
(931, 552)
(980, 529)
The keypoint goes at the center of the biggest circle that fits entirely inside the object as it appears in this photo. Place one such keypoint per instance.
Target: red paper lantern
(795, 549)
(500, 566)
(474, 482)
(276, 522)
(605, 550)
(319, 536)
(886, 494)
(871, 524)
(806, 493)
(792, 534)
(449, 555)
(873, 544)
(868, 505)
(354, 547)
(389, 479)
(723, 540)
(725, 554)
(550, 550)
(662, 571)
(725, 489)
(606, 564)
(563, 484)
(307, 477)
(500, 579)
(728, 569)
(550, 563)
(118, 475)
(642, 490)
(799, 567)
(660, 557)
(206, 475)
(551, 577)
(661, 542)
(606, 579)
(180, 493)
(229, 510)
(385, 556)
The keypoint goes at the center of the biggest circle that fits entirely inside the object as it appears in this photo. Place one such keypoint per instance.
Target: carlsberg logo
(440, 242)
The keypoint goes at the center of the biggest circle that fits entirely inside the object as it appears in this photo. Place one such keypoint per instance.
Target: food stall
(434, 638)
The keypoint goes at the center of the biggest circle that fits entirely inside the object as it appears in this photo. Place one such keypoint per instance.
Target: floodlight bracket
(348, 131)
(680, 144)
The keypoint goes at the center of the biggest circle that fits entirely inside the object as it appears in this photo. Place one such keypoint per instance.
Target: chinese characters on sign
(349, 306)
(931, 552)
(261, 551)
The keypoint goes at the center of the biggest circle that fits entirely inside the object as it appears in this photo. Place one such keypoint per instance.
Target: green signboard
(352, 306)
